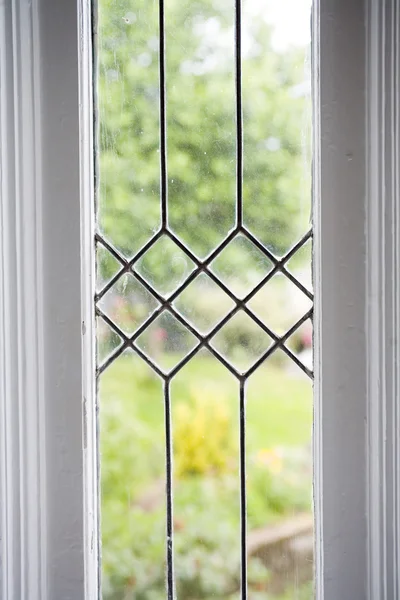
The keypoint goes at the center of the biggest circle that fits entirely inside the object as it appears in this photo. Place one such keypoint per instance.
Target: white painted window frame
(48, 504)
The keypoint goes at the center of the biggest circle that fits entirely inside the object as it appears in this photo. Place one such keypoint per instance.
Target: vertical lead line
(395, 22)
(243, 515)
(163, 122)
(396, 221)
(168, 444)
(239, 116)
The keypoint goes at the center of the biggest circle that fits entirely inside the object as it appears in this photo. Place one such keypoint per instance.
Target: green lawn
(279, 406)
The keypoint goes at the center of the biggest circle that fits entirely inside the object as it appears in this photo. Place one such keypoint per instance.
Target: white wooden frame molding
(22, 359)
(340, 392)
(48, 501)
(48, 530)
(383, 308)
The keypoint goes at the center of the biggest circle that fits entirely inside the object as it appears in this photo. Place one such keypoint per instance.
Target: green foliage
(203, 435)
(278, 483)
(305, 592)
(201, 127)
(206, 499)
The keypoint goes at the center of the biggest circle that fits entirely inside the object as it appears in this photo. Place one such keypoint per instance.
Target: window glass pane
(201, 99)
(128, 97)
(204, 299)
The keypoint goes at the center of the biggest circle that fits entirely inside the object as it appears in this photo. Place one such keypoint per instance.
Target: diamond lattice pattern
(167, 304)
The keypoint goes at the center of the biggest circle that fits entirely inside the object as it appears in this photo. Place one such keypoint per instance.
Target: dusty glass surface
(204, 303)
(151, 266)
(277, 141)
(204, 299)
(241, 265)
(201, 100)
(128, 97)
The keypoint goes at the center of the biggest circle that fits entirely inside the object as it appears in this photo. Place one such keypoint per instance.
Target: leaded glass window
(204, 300)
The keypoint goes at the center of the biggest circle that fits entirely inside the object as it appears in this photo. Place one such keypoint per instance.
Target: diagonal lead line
(185, 360)
(278, 261)
(202, 265)
(260, 246)
(210, 257)
(204, 340)
(280, 343)
(110, 284)
(126, 264)
(277, 268)
(214, 352)
(280, 264)
(260, 323)
(302, 241)
(119, 350)
(111, 249)
(152, 317)
(111, 358)
(148, 360)
(127, 343)
(166, 304)
(298, 362)
(297, 283)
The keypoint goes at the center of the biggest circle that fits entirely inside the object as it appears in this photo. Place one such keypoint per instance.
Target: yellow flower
(203, 440)
(271, 458)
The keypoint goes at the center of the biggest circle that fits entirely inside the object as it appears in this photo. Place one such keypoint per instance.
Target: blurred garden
(206, 474)
(204, 394)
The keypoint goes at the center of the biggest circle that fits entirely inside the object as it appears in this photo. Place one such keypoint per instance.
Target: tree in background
(201, 127)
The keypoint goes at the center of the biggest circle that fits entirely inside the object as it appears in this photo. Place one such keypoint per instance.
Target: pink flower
(160, 334)
(307, 335)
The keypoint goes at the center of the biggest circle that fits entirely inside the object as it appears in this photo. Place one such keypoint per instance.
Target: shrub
(203, 434)
(206, 488)
(279, 480)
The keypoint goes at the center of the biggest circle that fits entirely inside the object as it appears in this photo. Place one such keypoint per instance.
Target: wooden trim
(340, 406)
(87, 87)
(22, 439)
(41, 401)
(383, 316)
